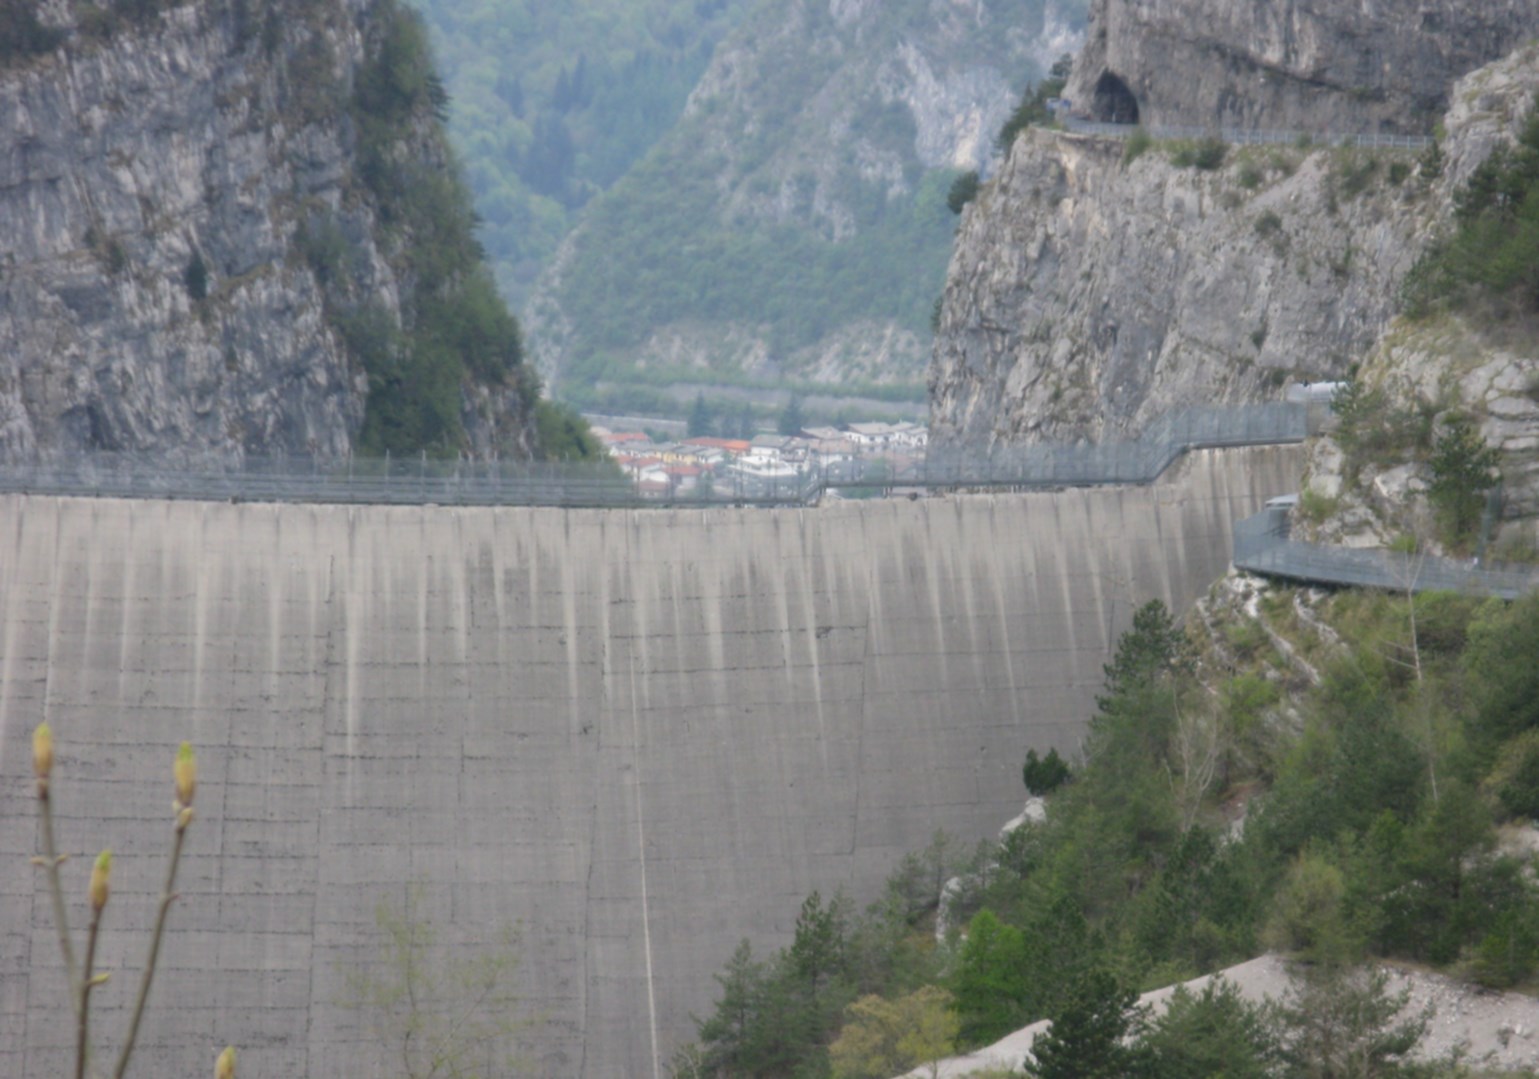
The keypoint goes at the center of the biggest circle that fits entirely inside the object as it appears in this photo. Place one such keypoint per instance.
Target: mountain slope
(554, 102)
(792, 228)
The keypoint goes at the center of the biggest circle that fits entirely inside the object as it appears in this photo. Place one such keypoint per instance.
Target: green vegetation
(1464, 468)
(1374, 797)
(1137, 144)
(21, 35)
(747, 219)
(1492, 257)
(554, 102)
(882, 1038)
(963, 190)
(1376, 429)
(1033, 106)
(454, 327)
(1043, 775)
(1207, 154)
(667, 258)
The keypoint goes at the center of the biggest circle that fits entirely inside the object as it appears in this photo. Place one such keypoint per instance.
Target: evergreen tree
(701, 419)
(1464, 468)
(1212, 1033)
(1043, 775)
(791, 418)
(1091, 1034)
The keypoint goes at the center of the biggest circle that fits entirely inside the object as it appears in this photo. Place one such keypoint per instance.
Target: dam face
(637, 735)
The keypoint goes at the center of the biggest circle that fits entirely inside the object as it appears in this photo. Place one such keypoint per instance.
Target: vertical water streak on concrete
(54, 588)
(711, 611)
(641, 855)
(995, 554)
(202, 597)
(353, 583)
(962, 566)
(571, 631)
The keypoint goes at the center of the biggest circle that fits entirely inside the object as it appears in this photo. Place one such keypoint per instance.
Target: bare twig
(83, 1008)
(167, 897)
(50, 862)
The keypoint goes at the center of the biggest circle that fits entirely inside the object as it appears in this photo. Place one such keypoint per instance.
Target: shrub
(963, 190)
(1352, 172)
(1268, 225)
(1494, 250)
(21, 35)
(1033, 106)
(1137, 144)
(1430, 164)
(1043, 775)
(321, 241)
(1516, 777)
(564, 434)
(1207, 153)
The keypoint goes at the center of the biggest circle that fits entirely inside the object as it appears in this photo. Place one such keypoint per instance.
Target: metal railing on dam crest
(425, 481)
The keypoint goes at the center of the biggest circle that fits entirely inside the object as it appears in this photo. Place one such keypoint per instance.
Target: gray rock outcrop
(1089, 293)
(1311, 65)
(154, 176)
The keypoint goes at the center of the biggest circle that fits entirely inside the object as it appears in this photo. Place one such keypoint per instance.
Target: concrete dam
(639, 735)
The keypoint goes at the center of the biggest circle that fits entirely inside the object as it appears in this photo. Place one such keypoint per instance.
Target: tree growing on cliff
(1033, 107)
(1043, 775)
(1464, 468)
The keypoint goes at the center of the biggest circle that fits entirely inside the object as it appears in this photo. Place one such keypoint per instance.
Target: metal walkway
(1262, 545)
(1246, 137)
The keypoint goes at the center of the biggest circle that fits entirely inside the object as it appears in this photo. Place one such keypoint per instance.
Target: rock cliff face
(1311, 65)
(1088, 292)
(154, 176)
(1087, 296)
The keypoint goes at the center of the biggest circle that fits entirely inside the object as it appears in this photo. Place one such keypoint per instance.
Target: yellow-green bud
(100, 873)
(224, 1067)
(42, 750)
(186, 772)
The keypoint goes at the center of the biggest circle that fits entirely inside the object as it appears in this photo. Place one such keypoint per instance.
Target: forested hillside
(1330, 776)
(792, 231)
(554, 102)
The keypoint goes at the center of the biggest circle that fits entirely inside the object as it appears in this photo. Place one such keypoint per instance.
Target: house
(732, 447)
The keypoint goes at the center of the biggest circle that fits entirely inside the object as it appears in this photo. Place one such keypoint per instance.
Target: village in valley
(768, 464)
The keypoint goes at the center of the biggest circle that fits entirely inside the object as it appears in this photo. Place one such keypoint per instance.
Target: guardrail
(1263, 545)
(423, 480)
(1247, 137)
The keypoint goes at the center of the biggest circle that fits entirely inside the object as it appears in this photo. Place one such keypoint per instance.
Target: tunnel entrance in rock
(1113, 102)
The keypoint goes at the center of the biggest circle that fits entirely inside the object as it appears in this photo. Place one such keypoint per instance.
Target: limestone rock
(1088, 293)
(152, 186)
(1310, 65)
